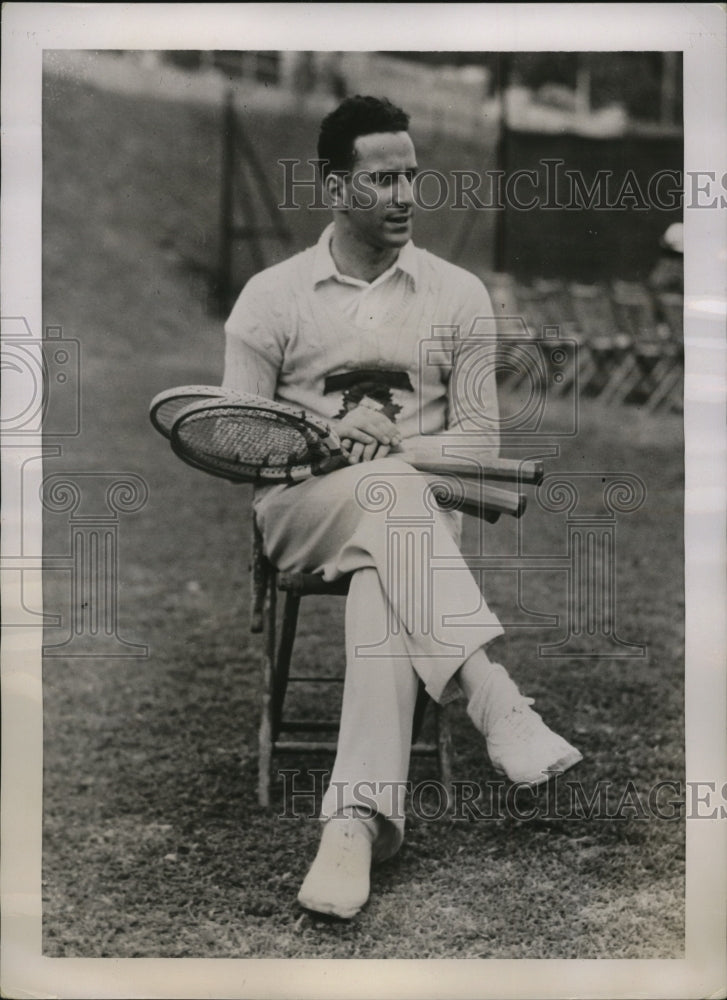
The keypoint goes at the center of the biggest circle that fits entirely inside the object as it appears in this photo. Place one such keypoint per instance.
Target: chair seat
(311, 583)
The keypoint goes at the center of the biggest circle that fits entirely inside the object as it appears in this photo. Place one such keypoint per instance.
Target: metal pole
(503, 80)
(224, 267)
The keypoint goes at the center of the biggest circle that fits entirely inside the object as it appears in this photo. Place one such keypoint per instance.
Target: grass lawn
(153, 842)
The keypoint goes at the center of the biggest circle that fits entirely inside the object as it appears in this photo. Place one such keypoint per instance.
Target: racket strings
(234, 438)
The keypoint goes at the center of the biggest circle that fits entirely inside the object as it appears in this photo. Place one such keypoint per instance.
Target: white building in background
(441, 99)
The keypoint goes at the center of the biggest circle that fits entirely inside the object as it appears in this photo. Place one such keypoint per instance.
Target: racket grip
(482, 500)
(506, 469)
(512, 470)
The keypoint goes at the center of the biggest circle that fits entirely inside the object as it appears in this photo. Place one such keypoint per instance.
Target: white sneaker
(338, 882)
(522, 747)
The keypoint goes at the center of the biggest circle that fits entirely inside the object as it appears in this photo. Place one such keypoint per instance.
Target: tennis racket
(167, 406)
(252, 439)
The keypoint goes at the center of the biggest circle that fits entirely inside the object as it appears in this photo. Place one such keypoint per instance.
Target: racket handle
(506, 469)
(480, 500)
(487, 500)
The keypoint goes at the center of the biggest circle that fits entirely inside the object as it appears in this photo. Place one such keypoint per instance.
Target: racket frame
(327, 440)
(186, 394)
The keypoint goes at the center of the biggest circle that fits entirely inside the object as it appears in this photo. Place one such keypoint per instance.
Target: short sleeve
(255, 339)
(472, 391)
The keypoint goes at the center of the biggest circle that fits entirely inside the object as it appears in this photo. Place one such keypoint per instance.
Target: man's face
(378, 193)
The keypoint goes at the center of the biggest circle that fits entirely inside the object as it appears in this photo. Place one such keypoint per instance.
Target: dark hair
(354, 117)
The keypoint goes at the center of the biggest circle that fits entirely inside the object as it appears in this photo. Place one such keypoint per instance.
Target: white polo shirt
(307, 335)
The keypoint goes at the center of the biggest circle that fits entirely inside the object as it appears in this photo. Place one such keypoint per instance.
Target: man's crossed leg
(406, 620)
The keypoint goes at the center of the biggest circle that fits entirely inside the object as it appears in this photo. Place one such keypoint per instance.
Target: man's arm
(473, 410)
(254, 341)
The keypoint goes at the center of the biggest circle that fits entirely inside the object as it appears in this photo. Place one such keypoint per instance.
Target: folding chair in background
(651, 354)
(502, 289)
(546, 307)
(607, 344)
(671, 376)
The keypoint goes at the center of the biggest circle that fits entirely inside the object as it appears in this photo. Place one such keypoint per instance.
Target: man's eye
(384, 177)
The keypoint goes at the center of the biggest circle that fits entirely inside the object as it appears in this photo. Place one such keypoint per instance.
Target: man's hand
(366, 433)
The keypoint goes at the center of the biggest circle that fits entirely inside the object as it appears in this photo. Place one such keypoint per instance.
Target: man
(668, 272)
(337, 330)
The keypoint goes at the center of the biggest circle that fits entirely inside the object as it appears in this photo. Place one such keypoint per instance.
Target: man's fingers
(356, 434)
(357, 451)
(372, 449)
(383, 428)
(365, 424)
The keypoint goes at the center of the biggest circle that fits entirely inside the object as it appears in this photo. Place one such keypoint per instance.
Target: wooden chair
(502, 289)
(657, 345)
(671, 374)
(279, 632)
(640, 371)
(543, 305)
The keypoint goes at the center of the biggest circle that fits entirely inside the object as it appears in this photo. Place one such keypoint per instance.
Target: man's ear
(335, 188)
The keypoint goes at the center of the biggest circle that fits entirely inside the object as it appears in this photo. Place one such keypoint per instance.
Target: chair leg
(443, 736)
(420, 708)
(259, 577)
(283, 657)
(444, 750)
(265, 733)
(633, 383)
(595, 382)
(610, 361)
(624, 377)
(276, 667)
(586, 369)
(671, 381)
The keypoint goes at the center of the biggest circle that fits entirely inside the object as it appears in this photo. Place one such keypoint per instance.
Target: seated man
(337, 330)
(668, 272)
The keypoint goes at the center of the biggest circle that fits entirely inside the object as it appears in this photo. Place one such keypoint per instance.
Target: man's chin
(398, 239)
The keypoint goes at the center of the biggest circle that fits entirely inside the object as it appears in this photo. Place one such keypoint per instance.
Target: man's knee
(391, 486)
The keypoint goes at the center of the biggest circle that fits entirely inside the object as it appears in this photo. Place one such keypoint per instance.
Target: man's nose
(404, 191)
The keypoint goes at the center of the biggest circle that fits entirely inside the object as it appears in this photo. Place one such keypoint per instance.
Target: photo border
(696, 29)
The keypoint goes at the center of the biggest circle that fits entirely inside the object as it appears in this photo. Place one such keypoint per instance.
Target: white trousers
(413, 611)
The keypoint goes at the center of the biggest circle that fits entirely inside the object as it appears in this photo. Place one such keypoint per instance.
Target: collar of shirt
(324, 266)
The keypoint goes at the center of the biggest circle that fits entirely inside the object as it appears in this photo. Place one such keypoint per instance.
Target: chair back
(634, 310)
(672, 309)
(592, 310)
